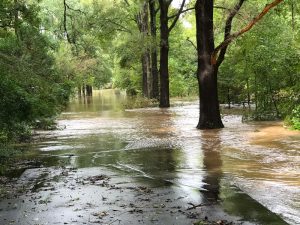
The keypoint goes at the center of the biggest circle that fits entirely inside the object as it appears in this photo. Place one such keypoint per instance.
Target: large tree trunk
(207, 72)
(164, 100)
(143, 20)
(154, 71)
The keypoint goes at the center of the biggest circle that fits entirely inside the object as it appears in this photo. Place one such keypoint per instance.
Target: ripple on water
(260, 158)
(280, 198)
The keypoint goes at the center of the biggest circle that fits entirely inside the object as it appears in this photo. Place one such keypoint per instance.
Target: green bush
(31, 87)
(135, 102)
(6, 152)
(295, 118)
(45, 124)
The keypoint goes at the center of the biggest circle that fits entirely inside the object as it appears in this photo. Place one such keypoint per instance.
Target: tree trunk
(164, 100)
(89, 90)
(228, 98)
(248, 94)
(142, 21)
(79, 90)
(83, 90)
(255, 91)
(293, 15)
(207, 72)
(145, 73)
(17, 21)
(154, 71)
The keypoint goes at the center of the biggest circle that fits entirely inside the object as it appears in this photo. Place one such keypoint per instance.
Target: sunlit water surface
(232, 166)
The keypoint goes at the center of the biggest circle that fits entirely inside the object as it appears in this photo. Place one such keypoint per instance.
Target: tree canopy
(50, 50)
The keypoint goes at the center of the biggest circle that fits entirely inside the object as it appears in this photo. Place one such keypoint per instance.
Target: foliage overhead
(50, 48)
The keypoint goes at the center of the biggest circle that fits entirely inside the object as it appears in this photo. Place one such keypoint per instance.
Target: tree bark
(145, 73)
(211, 57)
(165, 30)
(207, 72)
(154, 71)
(164, 100)
(143, 24)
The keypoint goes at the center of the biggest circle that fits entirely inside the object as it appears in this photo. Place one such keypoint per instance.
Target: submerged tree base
(210, 117)
(210, 125)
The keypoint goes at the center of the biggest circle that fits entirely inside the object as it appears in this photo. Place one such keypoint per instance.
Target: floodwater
(246, 172)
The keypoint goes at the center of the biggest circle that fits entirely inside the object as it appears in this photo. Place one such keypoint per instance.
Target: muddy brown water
(247, 172)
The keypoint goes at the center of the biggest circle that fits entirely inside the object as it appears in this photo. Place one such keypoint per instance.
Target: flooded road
(248, 172)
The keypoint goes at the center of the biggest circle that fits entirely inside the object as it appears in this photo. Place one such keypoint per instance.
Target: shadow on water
(211, 147)
(217, 189)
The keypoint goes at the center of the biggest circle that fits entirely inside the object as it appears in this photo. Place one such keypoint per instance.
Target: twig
(183, 11)
(177, 16)
(195, 206)
(188, 39)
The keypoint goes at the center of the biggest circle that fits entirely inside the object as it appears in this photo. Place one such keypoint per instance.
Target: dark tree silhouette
(210, 57)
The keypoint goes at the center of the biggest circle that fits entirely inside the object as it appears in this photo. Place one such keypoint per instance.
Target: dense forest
(237, 52)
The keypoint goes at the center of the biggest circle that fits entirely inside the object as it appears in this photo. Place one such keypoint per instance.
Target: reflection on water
(211, 147)
(240, 167)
